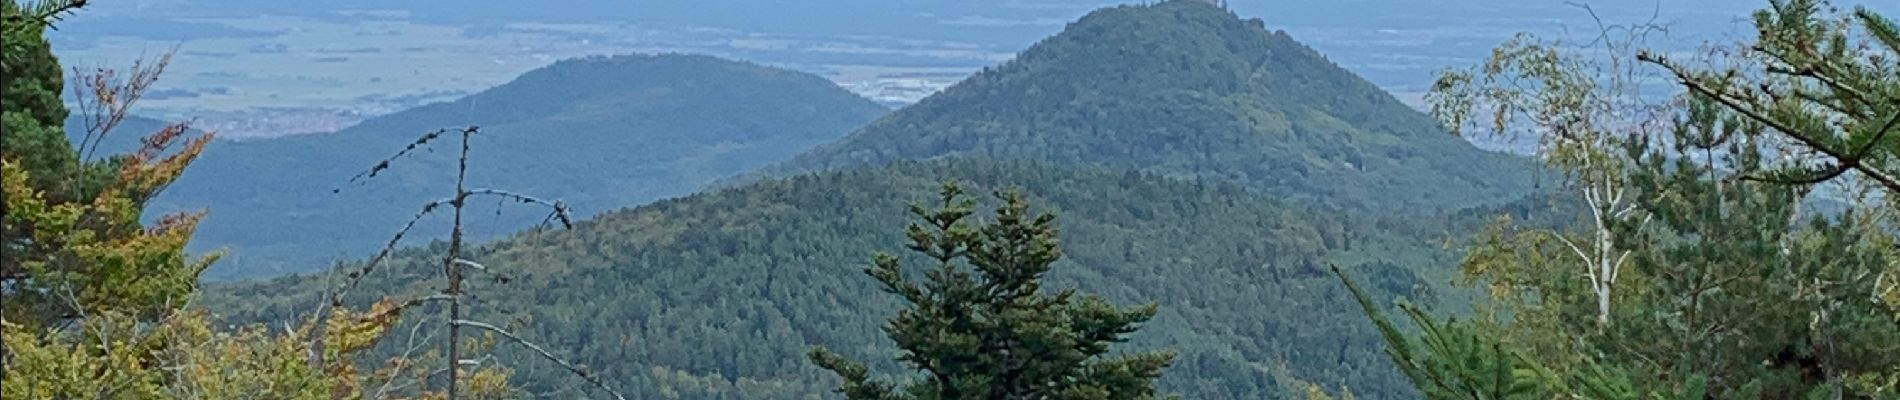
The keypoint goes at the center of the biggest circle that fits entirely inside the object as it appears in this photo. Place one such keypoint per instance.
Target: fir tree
(987, 330)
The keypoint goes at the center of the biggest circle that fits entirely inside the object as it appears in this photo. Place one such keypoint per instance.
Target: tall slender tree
(1580, 110)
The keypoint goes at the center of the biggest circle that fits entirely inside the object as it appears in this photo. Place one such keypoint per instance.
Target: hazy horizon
(253, 69)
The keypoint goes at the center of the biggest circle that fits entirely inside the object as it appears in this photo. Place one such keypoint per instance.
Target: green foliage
(92, 302)
(717, 295)
(1732, 289)
(73, 240)
(996, 334)
(1824, 85)
(600, 133)
(1713, 284)
(1452, 360)
(24, 22)
(180, 356)
(1825, 82)
(1462, 360)
(1734, 260)
(1190, 91)
(33, 82)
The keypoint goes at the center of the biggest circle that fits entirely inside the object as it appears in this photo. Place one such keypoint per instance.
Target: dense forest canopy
(720, 294)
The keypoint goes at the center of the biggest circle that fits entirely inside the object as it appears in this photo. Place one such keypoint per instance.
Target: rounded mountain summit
(600, 133)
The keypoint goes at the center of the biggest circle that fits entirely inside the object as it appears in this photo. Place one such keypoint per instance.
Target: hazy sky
(255, 67)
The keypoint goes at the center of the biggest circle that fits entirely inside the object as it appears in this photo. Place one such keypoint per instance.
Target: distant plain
(252, 69)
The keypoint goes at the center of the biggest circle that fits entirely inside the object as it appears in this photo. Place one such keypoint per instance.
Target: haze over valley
(251, 69)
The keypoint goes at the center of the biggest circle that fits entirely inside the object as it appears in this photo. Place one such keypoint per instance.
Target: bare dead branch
(560, 209)
(405, 305)
(408, 353)
(421, 141)
(355, 277)
(577, 370)
(450, 270)
(1635, 31)
(452, 263)
(471, 264)
(104, 99)
(388, 249)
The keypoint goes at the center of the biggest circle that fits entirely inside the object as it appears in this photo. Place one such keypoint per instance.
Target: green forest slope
(719, 295)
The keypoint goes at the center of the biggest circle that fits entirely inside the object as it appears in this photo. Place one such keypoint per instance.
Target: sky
(261, 68)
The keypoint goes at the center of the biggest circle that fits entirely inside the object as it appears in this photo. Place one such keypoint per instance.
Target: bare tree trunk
(1606, 273)
(454, 269)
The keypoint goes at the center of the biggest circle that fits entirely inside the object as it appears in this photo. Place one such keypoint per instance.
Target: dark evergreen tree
(32, 82)
(987, 331)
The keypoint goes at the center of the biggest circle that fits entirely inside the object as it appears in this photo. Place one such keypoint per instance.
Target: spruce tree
(979, 325)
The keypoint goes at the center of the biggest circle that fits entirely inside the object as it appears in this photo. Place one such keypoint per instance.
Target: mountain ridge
(600, 133)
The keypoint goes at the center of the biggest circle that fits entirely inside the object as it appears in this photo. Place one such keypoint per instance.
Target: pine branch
(354, 278)
(388, 249)
(559, 208)
(44, 14)
(1851, 161)
(1810, 70)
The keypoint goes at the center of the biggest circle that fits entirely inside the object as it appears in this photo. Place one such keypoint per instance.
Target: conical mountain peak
(1192, 91)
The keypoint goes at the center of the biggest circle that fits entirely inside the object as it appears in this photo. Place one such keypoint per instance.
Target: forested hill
(1186, 89)
(720, 294)
(600, 133)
